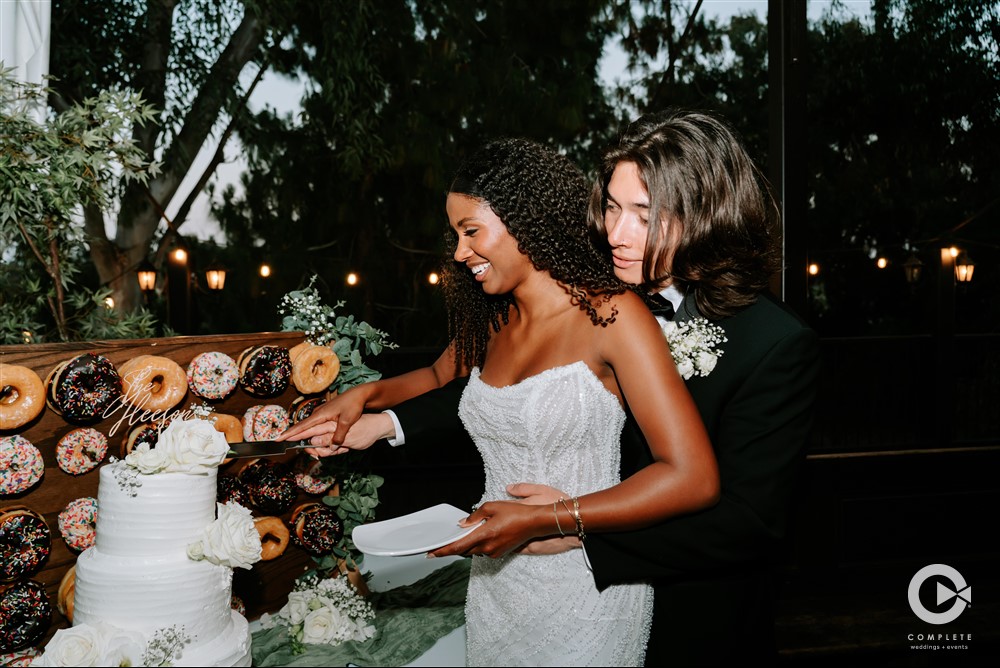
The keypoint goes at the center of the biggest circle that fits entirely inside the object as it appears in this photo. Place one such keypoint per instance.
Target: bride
(554, 345)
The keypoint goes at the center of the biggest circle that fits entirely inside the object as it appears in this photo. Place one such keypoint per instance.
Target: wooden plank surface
(266, 586)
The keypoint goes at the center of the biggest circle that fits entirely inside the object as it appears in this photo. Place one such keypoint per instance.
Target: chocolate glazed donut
(82, 388)
(265, 370)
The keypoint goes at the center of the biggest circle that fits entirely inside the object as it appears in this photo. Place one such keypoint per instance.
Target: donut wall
(72, 448)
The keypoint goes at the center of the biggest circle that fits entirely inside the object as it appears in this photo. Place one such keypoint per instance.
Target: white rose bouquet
(231, 540)
(320, 612)
(693, 344)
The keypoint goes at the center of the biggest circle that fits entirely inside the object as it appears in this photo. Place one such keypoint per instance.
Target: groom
(687, 214)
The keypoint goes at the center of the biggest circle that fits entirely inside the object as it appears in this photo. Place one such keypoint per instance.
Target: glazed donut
(78, 523)
(229, 425)
(212, 375)
(20, 659)
(67, 593)
(269, 485)
(21, 465)
(22, 396)
(264, 423)
(237, 604)
(309, 476)
(81, 450)
(25, 542)
(264, 370)
(83, 387)
(148, 432)
(314, 368)
(232, 490)
(153, 383)
(302, 407)
(273, 537)
(25, 612)
(316, 528)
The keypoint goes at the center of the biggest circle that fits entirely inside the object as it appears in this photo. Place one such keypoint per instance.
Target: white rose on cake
(231, 540)
(93, 645)
(146, 460)
(192, 446)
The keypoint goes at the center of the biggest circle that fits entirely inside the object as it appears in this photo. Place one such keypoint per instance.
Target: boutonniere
(694, 345)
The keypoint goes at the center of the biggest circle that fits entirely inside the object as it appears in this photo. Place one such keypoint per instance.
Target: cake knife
(266, 448)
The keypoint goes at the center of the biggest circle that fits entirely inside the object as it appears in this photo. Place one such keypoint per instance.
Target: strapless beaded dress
(560, 428)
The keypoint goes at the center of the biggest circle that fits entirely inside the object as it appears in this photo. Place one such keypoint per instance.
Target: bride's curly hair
(541, 197)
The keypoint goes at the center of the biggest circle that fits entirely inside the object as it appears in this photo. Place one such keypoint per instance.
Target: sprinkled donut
(270, 486)
(212, 375)
(148, 433)
(25, 542)
(21, 465)
(20, 659)
(153, 383)
(237, 604)
(314, 368)
(265, 370)
(231, 489)
(264, 423)
(309, 476)
(81, 450)
(83, 387)
(302, 407)
(25, 612)
(78, 523)
(316, 528)
(22, 396)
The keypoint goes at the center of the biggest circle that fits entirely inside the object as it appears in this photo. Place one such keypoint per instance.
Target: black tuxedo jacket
(710, 569)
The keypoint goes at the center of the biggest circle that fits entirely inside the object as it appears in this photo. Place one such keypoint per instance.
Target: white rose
(706, 362)
(120, 647)
(192, 446)
(147, 460)
(685, 369)
(297, 607)
(76, 646)
(231, 540)
(322, 625)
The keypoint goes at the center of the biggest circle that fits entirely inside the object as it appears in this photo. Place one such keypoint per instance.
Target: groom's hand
(534, 494)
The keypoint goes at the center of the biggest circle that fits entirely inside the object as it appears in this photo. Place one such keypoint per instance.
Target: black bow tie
(661, 306)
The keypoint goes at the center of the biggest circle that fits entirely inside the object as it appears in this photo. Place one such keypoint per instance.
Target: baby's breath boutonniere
(694, 345)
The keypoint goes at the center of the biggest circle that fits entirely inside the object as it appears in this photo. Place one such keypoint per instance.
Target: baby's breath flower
(693, 344)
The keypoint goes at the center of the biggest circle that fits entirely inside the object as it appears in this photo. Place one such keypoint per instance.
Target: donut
(78, 523)
(237, 604)
(270, 486)
(20, 659)
(264, 370)
(309, 476)
(302, 407)
(22, 396)
(273, 537)
(229, 425)
(81, 450)
(83, 387)
(314, 368)
(212, 375)
(25, 542)
(67, 593)
(231, 489)
(264, 423)
(25, 612)
(147, 432)
(21, 465)
(316, 528)
(153, 383)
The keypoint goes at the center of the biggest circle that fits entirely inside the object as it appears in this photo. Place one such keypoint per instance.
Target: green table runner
(408, 621)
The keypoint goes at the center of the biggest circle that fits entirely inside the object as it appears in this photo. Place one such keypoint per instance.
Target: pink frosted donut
(264, 423)
(24, 657)
(212, 375)
(21, 465)
(78, 523)
(309, 476)
(81, 450)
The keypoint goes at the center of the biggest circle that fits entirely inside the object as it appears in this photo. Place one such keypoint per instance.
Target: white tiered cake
(139, 577)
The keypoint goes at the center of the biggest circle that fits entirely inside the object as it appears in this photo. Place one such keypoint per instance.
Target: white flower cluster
(304, 310)
(185, 446)
(106, 645)
(322, 612)
(231, 540)
(693, 344)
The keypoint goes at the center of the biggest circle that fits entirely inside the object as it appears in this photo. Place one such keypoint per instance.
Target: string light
(813, 269)
(352, 278)
(433, 278)
(882, 263)
(265, 270)
(179, 255)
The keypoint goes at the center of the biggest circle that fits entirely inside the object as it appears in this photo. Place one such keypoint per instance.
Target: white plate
(422, 531)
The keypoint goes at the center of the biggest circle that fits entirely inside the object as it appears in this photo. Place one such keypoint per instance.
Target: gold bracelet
(555, 512)
(579, 520)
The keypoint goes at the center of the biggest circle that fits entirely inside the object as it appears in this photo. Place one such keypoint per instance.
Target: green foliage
(49, 172)
(355, 505)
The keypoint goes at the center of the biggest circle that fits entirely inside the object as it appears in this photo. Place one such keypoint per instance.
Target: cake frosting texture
(138, 576)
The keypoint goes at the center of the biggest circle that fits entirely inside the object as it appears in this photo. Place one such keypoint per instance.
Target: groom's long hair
(541, 198)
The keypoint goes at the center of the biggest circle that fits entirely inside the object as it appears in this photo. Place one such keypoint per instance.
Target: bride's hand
(507, 525)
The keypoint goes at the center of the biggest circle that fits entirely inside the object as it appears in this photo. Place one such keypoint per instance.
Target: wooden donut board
(263, 589)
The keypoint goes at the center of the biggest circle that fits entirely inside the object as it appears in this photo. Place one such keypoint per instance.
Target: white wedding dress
(561, 428)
